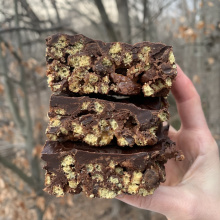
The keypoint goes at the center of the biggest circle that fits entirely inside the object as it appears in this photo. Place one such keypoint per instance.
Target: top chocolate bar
(79, 65)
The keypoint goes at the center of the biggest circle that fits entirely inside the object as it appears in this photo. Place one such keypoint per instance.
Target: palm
(195, 179)
(187, 141)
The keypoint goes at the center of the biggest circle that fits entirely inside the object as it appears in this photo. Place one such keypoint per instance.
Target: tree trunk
(144, 19)
(124, 21)
(53, 2)
(105, 19)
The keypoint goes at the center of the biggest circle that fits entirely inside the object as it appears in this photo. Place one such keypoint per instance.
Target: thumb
(167, 200)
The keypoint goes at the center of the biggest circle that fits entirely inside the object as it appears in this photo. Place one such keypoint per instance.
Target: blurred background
(192, 27)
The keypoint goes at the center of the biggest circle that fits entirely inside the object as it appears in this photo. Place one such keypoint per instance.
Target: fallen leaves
(40, 202)
(50, 212)
(30, 63)
(211, 60)
(210, 4)
(182, 19)
(200, 25)
(2, 183)
(1, 89)
(7, 132)
(187, 33)
(196, 79)
(37, 151)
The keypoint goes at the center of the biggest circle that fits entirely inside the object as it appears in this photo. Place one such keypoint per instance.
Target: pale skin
(192, 187)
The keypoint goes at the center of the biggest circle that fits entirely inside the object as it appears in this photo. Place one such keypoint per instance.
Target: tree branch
(123, 19)
(38, 30)
(153, 17)
(48, 13)
(10, 96)
(14, 81)
(28, 124)
(85, 16)
(107, 23)
(14, 187)
(144, 19)
(17, 171)
(11, 49)
(53, 2)
(30, 142)
(32, 42)
(30, 12)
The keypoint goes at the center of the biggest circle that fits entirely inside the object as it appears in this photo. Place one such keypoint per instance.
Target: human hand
(192, 187)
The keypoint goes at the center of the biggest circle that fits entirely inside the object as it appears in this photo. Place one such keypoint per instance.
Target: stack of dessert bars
(105, 135)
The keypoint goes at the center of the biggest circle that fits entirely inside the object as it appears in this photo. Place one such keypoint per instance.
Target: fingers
(188, 102)
(165, 200)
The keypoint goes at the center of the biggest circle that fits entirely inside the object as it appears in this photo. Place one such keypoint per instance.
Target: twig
(38, 30)
(53, 2)
(11, 49)
(10, 96)
(107, 23)
(30, 12)
(153, 18)
(17, 171)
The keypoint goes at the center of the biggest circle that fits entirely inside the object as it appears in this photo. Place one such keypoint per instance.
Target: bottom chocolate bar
(105, 172)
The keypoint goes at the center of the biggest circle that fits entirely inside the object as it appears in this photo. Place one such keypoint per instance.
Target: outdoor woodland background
(192, 27)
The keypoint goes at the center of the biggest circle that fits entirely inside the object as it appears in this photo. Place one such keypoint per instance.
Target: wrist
(200, 210)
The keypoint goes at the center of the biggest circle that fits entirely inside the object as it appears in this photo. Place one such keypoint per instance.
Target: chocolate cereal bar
(105, 172)
(77, 64)
(98, 122)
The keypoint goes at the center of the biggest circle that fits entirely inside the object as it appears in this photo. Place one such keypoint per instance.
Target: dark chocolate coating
(108, 171)
(87, 112)
(85, 154)
(97, 122)
(77, 64)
